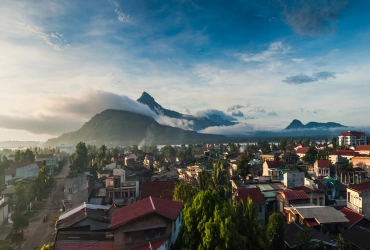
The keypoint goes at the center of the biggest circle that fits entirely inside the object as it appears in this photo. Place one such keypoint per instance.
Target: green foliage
(207, 224)
(20, 221)
(168, 151)
(276, 232)
(220, 180)
(79, 159)
(264, 146)
(342, 244)
(20, 198)
(243, 165)
(204, 180)
(184, 192)
(43, 182)
(46, 246)
(311, 155)
(24, 156)
(303, 239)
(282, 143)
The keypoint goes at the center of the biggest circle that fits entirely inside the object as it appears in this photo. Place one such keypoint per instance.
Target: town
(292, 194)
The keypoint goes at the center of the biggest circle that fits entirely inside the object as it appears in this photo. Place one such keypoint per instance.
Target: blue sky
(265, 62)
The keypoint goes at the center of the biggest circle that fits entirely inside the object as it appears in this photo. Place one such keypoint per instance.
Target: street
(39, 232)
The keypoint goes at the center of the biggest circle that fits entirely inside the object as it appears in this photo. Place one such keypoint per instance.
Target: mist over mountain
(118, 127)
(297, 124)
(199, 123)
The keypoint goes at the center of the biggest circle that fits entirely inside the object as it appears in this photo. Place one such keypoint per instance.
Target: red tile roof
(254, 193)
(352, 216)
(363, 148)
(294, 195)
(109, 245)
(353, 133)
(275, 164)
(345, 152)
(153, 245)
(360, 187)
(166, 208)
(323, 163)
(302, 150)
(159, 189)
(14, 165)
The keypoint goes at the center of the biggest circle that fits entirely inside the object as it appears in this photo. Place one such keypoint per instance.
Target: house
(289, 159)
(291, 197)
(121, 191)
(342, 155)
(363, 149)
(301, 151)
(76, 189)
(317, 196)
(3, 211)
(148, 222)
(362, 161)
(358, 237)
(22, 169)
(272, 169)
(322, 168)
(358, 198)
(292, 178)
(272, 156)
(130, 160)
(323, 218)
(159, 189)
(85, 226)
(353, 175)
(192, 172)
(355, 219)
(255, 195)
(352, 138)
(50, 161)
(293, 229)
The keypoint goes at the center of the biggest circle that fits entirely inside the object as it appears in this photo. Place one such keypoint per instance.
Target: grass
(30, 213)
(5, 245)
(54, 219)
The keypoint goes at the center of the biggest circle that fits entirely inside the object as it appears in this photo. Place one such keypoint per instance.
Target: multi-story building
(22, 169)
(50, 161)
(322, 168)
(352, 138)
(358, 198)
(122, 192)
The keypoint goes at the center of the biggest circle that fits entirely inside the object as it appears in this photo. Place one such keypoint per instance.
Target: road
(39, 232)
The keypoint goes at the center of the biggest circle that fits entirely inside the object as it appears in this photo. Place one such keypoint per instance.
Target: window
(157, 233)
(147, 235)
(348, 196)
(128, 237)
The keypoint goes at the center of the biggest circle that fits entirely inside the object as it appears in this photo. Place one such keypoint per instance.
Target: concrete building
(76, 189)
(122, 192)
(322, 168)
(293, 179)
(352, 138)
(69, 149)
(358, 198)
(3, 211)
(50, 161)
(22, 169)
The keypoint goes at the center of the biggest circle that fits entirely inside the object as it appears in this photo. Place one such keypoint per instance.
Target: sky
(264, 63)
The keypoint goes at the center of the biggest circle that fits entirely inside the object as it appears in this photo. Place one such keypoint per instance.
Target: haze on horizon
(263, 62)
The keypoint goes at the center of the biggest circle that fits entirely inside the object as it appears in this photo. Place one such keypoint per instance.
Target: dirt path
(39, 232)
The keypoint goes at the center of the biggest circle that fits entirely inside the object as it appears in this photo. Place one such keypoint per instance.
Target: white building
(352, 138)
(3, 211)
(358, 198)
(322, 168)
(50, 161)
(69, 149)
(22, 169)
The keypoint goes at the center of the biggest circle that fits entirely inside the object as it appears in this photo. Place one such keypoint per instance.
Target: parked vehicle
(44, 219)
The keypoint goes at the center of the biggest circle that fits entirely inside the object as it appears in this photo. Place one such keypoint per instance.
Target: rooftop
(302, 150)
(166, 208)
(322, 214)
(14, 165)
(360, 187)
(352, 216)
(294, 195)
(254, 193)
(159, 189)
(358, 236)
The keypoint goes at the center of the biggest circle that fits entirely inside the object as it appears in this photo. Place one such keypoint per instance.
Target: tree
(342, 244)
(20, 197)
(310, 156)
(17, 155)
(220, 180)
(27, 156)
(243, 165)
(303, 239)
(276, 232)
(43, 182)
(79, 159)
(204, 180)
(168, 151)
(20, 221)
(282, 143)
(207, 224)
(184, 192)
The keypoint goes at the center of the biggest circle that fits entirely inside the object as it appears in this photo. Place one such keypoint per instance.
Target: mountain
(118, 127)
(297, 124)
(199, 123)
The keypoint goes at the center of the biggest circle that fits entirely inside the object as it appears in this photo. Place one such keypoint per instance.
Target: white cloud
(54, 40)
(274, 49)
(237, 129)
(122, 17)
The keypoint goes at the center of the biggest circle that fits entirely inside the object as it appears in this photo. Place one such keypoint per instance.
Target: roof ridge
(151, 201)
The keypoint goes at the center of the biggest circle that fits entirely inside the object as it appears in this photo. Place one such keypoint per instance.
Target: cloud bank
(235, 130)
(208, 112)
(302, 78)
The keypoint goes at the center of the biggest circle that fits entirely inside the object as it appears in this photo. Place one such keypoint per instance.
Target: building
(272, 169)
(76, 189)
(255, 195)
(355, 219)
(159, 189)
(69, 149)
(22, 169)
(363, 149)
(302, 151)
(339, 156)
(50, 161)
(322, 168)
(292, 178)
(358, 237)
(358, 198)
(3, 211)
(288, 198)
(352, 138)
(122, 192)
(148, 222)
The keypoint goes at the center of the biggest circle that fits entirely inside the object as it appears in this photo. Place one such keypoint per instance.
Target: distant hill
(297, 124)
(198, 122)
(118, 127)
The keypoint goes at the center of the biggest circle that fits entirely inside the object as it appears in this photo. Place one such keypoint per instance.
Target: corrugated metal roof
(322, 214)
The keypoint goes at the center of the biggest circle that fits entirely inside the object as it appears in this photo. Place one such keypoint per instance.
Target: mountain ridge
(297, 124)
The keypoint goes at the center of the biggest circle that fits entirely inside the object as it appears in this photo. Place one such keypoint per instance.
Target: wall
(293, 179)
(3, 211)
(31, 170)
(75, 190)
